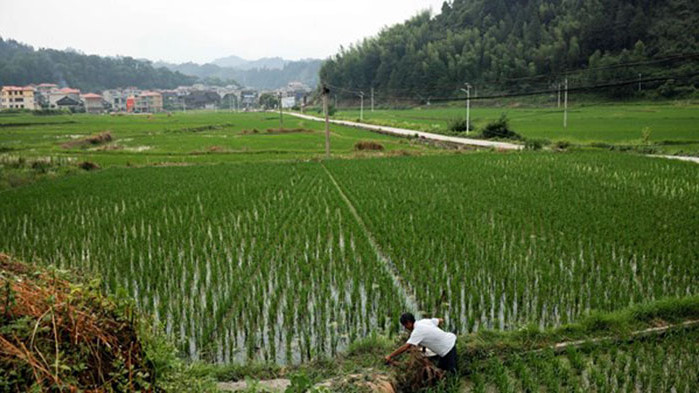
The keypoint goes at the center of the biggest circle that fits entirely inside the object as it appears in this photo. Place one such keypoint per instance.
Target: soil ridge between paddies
(405, 292)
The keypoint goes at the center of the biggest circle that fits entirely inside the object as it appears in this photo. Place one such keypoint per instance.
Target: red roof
(17, 88)
(92, 96)
(68, 90)
(47, 85)
(150, 94)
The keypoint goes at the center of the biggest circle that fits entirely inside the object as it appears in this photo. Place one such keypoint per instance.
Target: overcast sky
(202, 30)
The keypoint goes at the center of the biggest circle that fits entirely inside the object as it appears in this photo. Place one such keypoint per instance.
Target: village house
(149, 102)
(59, 94)
(93, 103)
(202, 100)
(115, 99)
(43, 91)
(14, 97)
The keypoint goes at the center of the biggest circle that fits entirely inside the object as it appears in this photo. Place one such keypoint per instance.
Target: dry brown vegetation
(92, 140)
(58, 335)
(368, 145)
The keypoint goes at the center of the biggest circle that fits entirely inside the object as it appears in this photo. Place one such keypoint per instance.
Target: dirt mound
(368, 145)
(88, 166)
(92, 140)
(60, 334)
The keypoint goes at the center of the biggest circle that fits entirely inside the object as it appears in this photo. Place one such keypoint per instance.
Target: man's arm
(398, 351)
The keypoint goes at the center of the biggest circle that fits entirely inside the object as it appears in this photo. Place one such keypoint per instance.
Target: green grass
(674, 126)
(193, 137)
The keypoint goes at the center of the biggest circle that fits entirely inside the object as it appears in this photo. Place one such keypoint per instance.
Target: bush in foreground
(60, 333)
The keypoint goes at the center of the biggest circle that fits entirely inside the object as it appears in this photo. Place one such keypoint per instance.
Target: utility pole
(639, 82)
(281, 113)
(467, 90)
(559, 95)
(372, 99)
(325, 93)
(361, 107)
(565, 110)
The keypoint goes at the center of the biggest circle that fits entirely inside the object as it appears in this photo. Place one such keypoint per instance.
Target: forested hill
(525, 45)
(21, 65)
(250, 75)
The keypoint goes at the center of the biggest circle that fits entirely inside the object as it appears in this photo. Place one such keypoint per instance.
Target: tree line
(21, 64)
(524, 45)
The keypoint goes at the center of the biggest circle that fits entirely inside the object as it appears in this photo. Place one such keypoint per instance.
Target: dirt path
(404, 291)
(412, 133)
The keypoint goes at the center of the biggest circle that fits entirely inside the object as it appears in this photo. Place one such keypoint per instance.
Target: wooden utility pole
(372, 99)
(281, 113)
(361, 108)
(325, 93)
(565, 109)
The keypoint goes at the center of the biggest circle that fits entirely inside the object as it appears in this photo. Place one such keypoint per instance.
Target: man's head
(408, 321)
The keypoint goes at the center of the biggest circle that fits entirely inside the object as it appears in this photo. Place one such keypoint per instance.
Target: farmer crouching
(426, 333)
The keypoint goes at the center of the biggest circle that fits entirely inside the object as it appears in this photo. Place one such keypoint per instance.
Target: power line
(549, 76)
(586, 88)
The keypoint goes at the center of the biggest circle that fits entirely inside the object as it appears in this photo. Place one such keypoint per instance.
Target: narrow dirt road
(412, 133)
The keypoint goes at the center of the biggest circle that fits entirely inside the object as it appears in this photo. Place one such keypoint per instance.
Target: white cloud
(200, 31)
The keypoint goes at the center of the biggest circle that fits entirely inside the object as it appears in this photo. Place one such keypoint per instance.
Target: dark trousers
(448, 361)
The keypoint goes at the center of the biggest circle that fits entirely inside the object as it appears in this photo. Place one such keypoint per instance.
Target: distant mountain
(267, 73)
(274, 63)
(230, 61)
(21, 64)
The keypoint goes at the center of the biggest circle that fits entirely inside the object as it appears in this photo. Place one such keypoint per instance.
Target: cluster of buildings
(133, 100)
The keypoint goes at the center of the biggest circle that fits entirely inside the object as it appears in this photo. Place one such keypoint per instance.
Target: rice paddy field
(189, 138)
(269, 254)
(652, 364)
(673, 127)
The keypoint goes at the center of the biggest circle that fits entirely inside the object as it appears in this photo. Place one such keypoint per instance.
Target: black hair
(407, 317)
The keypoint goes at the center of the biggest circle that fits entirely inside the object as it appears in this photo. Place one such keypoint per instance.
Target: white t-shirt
(426, 333)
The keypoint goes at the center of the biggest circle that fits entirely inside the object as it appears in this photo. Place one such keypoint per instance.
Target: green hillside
(21, 65)
(515, 46)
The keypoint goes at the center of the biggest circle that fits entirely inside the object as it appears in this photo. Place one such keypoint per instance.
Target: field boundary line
(398, 282)
(558, 347)
(402, 132)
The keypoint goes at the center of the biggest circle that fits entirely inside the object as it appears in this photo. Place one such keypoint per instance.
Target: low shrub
(561, 145)
(534, 144)
(368, 146)
(458, 124)
(500, 129)
(88, 166)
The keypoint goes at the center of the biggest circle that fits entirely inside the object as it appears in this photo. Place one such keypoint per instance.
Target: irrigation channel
(398, 282)
(420, 134)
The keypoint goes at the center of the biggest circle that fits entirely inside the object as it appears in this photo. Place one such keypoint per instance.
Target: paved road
(681, 158)
(411, 133)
